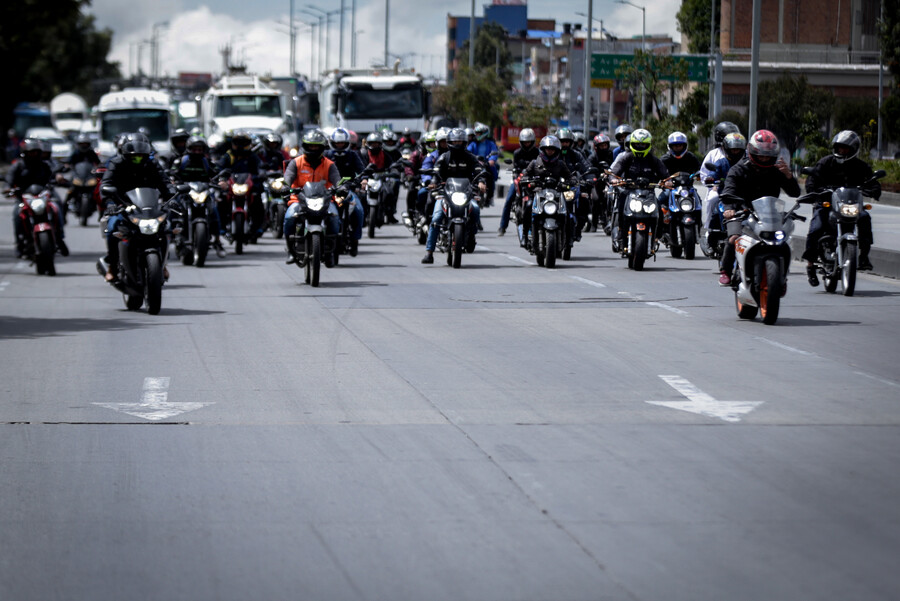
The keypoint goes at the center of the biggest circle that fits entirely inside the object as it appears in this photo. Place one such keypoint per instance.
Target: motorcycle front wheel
(45, 249)
(201, 244)
(770, 290)
(639, 252)
(237, 232)
(690, 242)
(458, 243)
(278, 226)
(848, 270)
(550, 249)
(314, 260)
(153, 284)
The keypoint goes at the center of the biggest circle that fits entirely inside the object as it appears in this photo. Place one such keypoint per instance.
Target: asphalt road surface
(409, 432)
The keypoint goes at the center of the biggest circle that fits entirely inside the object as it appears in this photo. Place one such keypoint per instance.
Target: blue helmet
(676, 138)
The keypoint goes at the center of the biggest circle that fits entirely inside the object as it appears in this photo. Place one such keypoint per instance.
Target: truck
(368, 100)
(69, 113)
(28, 115)
(131, 109)
(243, 102)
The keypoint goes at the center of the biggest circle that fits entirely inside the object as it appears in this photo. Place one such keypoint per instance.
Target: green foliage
(693, 21)
(695, 106)
(889, 37)
(491, 37)
(525, 113)
(474, 96)
(892, 180)
(854, 113)
(47, 48)
(787, 103)
(657, 73)
(890, 112)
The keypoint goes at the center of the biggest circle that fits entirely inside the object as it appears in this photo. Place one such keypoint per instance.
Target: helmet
(481, 131)
(470, 133)
(136, 152)
(457, 138)
(314, 143)
(622, 131)
(763, 148)
(429, 140)
(197, 142)
(340, 136)
(526, 135)
(374, 142)
(354, 138)
(83, 138)
(547, 143)
(241, 140)
(273, 140)
(441, 136)
(137, 137)
(640, 142)
(734, 145)
(579, 137)
(677, 138)
(46, 147)
(846, 141)
(566, 135)
(31, 145)
(179, 135)
(390, 139)
(601, 139)
(723, 129)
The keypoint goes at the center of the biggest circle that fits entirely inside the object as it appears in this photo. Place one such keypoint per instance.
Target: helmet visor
(640, 146)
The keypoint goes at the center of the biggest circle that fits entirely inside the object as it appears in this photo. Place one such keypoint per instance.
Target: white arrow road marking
(587, 281)
(703, 404)
(668, 308)
(154, 404)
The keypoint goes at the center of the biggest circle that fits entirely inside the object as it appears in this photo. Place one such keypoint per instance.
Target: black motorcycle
(683, 217)
(641, 216)
(193, 236)
(311, 244)
(548, 218)
(81, 196)
(457, 233)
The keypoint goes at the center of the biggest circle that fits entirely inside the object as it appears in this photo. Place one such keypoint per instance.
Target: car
(62, 148)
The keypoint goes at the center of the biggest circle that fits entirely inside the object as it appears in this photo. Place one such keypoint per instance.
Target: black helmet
(314, 143)
(138, 137)
(136, 152)
(31, 145)
(622, 131)
(179, 135)
(83, 138)
(197, 142)
(241, 140)
(723, 129)
(457, 138)
(273, 140)
(547, 143)
(845, 145)
(734, 145)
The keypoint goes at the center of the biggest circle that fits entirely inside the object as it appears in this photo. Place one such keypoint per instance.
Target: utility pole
(586, 94)
(880, 85)
(292, 35)
(353, 33)
(754, 67)
(472, 37)
(341, 45)
(387, 24)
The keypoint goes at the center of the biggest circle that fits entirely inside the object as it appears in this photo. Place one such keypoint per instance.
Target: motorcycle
(839, 246)
(311, 244)
(763, 254)
(240, 196)
(84, 182)
(143, 244)
(457, 233)
(415, 222)
(549, 217)
(640, 221)
(380, 192)
(39, 216)
(683, 217)
(276, 206)
(195, 225)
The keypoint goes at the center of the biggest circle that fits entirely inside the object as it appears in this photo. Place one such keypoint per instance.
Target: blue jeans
(295, 211)
(507, 206)
(437, 218)
(359, 216)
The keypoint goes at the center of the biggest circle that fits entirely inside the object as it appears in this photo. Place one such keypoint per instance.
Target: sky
(197, 29)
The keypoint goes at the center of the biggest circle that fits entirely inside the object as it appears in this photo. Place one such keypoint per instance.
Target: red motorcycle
(240, 200)
(39, 215)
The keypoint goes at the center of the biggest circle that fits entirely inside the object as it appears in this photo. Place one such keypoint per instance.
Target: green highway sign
(603, 66)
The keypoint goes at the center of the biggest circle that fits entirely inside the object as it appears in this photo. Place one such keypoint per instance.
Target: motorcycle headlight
(277, 185)
(649, 206)
(687, 205)
(239, 189)
(569, 194)
(636, 205)
(148, 226)
(549, 195)
(38, 205)
(315, 204)
(375, 185)
(91, 182)
(850, 210)
(550, 208)
(199, 197)
(685, 192)
(76, 182)
(459, 198)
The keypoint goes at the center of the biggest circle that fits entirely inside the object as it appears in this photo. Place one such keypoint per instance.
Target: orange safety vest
(307, 173)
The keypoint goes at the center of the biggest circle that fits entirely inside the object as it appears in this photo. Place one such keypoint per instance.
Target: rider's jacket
(125, 175)
(556, 169)
(574, 160)
(272, 160)
(829, 173)
(746, 182)
(629, 166)
(457, 163)
(686, 163)
(79, 156)
(25, 173)
(301, 170)
(348, 162)
(486, 149)
(523, 156)
(193, 168)
(605, 156)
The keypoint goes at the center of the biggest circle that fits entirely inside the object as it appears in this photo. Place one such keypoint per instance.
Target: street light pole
(387, 24)
(472, 37)
(754, 66)
(586, 94)
(643, 44)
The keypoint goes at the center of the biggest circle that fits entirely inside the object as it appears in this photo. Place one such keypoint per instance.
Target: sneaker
(63, 249)
(812, 277)
(428, 259)
(501, 231)
(724, 279)
(165, 274)
(864, 264)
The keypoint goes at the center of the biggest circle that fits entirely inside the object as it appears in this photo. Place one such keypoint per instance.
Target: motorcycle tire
(567, 253)
(201, 244)
(540, 246)
(85, 211)
(237, 232)
(639, 253)
(458, 243)
(550, 250)
(690, 242)
(187, 256)
(153, 284)
(45, 249)
(770, 290)
(133, 302)
(674, 248)
(848, 269)
(744, 311)
(314, 262)
(373, 222)
(278, 226)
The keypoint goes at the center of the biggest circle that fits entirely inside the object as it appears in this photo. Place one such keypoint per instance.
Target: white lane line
(877, 379)
(483, 247)
(518, 260)
(668, 308)
(587, 281)
(785, 347)
(3, 286)
(155, 405)
(703, 404)
(22, 265)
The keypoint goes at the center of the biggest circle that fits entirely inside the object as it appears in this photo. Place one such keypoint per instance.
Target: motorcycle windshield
(847, 196)
(458, 184)
(769, 213)
(314, 189)
(146, 199)
(83, 170)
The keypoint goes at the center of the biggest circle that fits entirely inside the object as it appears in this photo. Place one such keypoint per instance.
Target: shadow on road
(39, 327)
(794, 321)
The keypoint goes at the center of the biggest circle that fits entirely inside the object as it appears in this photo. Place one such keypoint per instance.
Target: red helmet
(763, 148)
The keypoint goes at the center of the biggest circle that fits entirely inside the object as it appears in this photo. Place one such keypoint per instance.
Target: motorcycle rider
(407, 138)
(600, 160)
(761, 173)
(678, 159)
(714, 156)
(580, 142)
(311, 166)
(485, 148)
(29, 171)
(637, 161)
(622, 132)
(179, 140)
(194, 166)
(578, 166)
(375, 154)
(548, 163)
(129, 170)
(527, 152)
(83, 152)
(271, 157)
(423, 203)
(349, 165)
(241, 159)
(456, 162)
(842, 168)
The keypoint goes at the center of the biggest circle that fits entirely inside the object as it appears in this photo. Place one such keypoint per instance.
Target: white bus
(130, 110)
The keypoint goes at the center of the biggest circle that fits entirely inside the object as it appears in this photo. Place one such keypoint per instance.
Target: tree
(476, 95)
(854, 113)
(525, 113)
(491, 52)
(889, 39)
(693, 21)
(788, 103)
(47, 48)
(658, 73)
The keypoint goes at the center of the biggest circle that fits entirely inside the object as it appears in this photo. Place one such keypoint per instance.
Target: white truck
(131, 109)
(243, 102)
(367, 100)
(69, 113)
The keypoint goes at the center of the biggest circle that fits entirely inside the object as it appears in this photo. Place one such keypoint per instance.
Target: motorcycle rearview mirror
(879, 174)
(109, 190)
(183, 188)
(807, 171)
(507, 161)
(710, 166)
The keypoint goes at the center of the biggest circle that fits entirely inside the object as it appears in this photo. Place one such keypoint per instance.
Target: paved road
(502, 431)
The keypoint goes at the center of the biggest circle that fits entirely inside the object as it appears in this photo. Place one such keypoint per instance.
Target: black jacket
(125, 175)
(746, 182)
(457, 163)
(687, 163)
(629, 166)
(829, 173)
(522, 157)
(24, 174)
(349, 163)
(556, 169)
